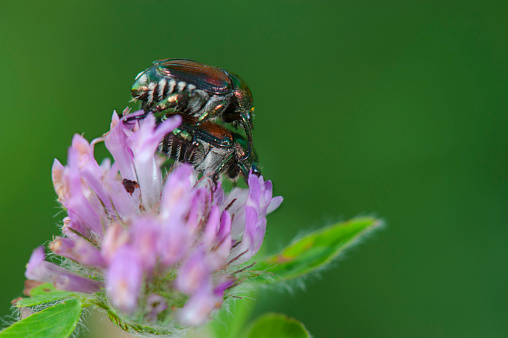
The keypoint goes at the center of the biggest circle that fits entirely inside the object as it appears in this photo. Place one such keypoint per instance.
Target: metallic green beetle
(201, 91)
(211, 149)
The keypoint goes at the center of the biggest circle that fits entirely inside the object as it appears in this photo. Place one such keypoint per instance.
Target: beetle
(211, 149)
(202, 91)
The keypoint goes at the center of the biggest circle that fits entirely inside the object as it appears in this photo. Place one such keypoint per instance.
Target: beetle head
(140, 88)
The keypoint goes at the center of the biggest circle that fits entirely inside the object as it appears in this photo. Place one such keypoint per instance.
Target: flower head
(163, 246)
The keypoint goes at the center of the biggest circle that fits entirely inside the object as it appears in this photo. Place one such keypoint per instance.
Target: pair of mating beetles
(200, 94)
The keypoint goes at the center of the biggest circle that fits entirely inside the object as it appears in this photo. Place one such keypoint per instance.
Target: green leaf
(49, 297)
(313, 251)
(45, 293)
(277, 325)
(57, 321)
(42, 289)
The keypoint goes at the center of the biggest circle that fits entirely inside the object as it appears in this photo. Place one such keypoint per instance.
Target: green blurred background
(394, 108)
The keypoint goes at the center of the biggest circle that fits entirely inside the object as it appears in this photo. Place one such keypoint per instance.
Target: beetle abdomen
(182, 150)
(168, 93)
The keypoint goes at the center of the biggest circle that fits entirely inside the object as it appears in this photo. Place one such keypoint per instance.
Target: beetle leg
(174, 100)
(137, 117)
(190, 150)
(213, 108)
(225, 164)
(248, 131)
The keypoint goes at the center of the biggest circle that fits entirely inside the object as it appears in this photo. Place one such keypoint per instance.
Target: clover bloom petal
(124, 278)
(40, 270)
